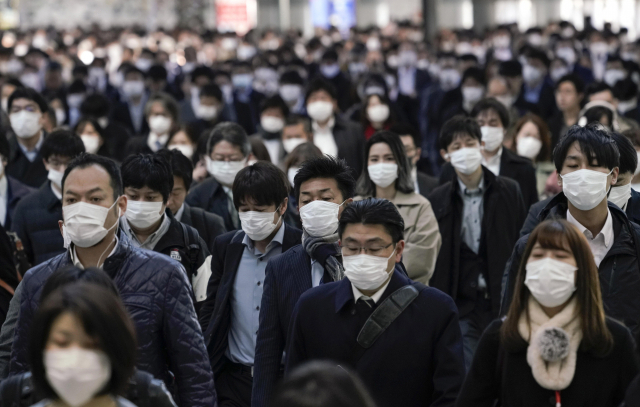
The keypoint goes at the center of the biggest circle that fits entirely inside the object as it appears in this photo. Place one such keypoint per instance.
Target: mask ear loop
(115, 225)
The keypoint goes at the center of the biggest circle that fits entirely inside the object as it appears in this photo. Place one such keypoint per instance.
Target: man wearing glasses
(415, 360)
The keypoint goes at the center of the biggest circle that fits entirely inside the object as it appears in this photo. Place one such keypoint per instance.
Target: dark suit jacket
(410, 365)
(248, 113)
(16, 190)
(512, 166)
(349, 138)
(30, 173)
(210, 196)
(122, 116)
(215, 314)
(137, 145)
(116, 137)
(546, 106)
(426, 183)
(209, 225)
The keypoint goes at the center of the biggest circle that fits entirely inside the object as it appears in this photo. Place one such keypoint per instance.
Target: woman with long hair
(555, 343)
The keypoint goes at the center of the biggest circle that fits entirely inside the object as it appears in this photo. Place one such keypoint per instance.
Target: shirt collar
(76, 261)
(55, 191)
(178, 214)
(606, 232)
(465, 191)
(36, 148)
(154, 237)
(495, 159)
(4, 187)
(375, 297)
(276, 241)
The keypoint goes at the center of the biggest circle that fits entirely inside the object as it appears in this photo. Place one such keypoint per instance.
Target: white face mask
(84, 223)
(366, 272)
(224, 171)
(320, 110)
(557, 73)
(291, 143)
(290, 93)
(271, 124)
(550, 281)
(530, 74)
(207, 113)
(449, 79)
(529, 147)
(143, 214)
(472, 94)
(91, 143)
(291, 174)
(55, 177)
(383, 174)
(76, 374)
(258, 225)
(378, 113)
(612, 76)
(61, 116)
(620, 195)
(185, 149)
(320, 218)
(133, 89)
(25, 124)
(492, 137)
(466, 160)
(585, 189)
(159, 124)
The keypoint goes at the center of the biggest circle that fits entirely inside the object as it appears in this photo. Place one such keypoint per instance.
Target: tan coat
(421, 235)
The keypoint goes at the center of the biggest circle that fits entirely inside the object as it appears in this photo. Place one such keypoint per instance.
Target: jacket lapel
(231, 264)
(292, 237)
(186, 215)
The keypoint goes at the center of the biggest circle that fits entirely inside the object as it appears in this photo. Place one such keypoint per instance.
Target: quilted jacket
(155, 291)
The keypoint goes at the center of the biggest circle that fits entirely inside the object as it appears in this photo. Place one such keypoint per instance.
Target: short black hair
(30, 94)
(594, 143)
(475, 73)
(157, 73)
(274, 102)
(211, 90)
(262, 182)
(150, 170)
(321, 84)
(574, 79)
(181, 166)
(231, 132)
(296, 119)
(63, 143)
(374, 211)
(510, 69)
(85, 160)
(405, 129)
(628, 155)
(95, 105)
(104, 318)
(456, 126)
(597, 87)
(492, 104)
(202, 71)
(70, 274)
(291, 77)
(538, 54)
(327, 167)
(625, 89)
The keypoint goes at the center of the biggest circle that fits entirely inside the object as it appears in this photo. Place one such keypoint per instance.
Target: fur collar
(553, 344)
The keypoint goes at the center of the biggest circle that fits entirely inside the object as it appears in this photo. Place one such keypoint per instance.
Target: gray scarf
(325, 250)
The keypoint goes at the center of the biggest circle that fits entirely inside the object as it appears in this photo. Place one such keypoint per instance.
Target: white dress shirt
(375, 297)
(323, 138)
(601, 243)
(493, 163)
(4, 196)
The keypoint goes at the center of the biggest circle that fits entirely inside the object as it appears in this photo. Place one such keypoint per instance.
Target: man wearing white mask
(26, 113)
(292, 91)
(588, 164)
(331, 72)
(349, 322)
(475, 210)
(297, 130)
(323, 187)
(537, 89)
(130, 112)
(332, 134)
(228, 151)
(35, 219)
(154, 287)
(273, 112)
(230, 314)
(11, 190)
(161, 112)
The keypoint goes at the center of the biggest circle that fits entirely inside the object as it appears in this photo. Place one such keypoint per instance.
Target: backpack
(19, 259)
(192, 246)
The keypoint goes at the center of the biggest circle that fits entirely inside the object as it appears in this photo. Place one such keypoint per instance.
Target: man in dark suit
(332, 134)
(11, 190)
(130, 112)
(230, 314)
(228, 150)
(115, 134)
(425, 366)
(329, 71)
(36, 217)
(325, 187)
(246, 100)
(27, 109)
(537, 89)
(493, 119)
(423, 183)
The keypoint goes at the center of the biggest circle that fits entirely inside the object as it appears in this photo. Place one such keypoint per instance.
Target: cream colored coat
(421, 235)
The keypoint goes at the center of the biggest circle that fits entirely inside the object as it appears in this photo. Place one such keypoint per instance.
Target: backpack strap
(192, 247)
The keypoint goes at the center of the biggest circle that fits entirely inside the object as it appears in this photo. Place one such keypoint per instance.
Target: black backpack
(191, 245)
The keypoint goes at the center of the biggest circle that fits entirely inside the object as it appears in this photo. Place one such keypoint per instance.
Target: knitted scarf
(553, 344)
(325, 250)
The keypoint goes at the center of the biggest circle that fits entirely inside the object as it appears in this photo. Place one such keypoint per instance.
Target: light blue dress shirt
(472, 212)
(31, 155)
(317, 272)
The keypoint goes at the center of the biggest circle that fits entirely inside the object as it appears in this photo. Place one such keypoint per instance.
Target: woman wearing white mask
(184, 139)
(388, 176)
(93, 137)
(532, 140)
(273, 112)
(161, 112)
(555, 345)
(376, 114)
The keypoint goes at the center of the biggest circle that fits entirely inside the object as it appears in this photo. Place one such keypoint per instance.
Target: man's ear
(614, 175)
(46, 164)
(60, 224)
(444, 156)
(284, 206)
(399, 251)
(122, 204)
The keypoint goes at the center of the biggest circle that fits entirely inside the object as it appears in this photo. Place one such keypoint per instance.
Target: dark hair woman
(377, 114)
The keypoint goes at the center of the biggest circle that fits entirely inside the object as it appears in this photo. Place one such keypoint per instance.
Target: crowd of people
(356, 219)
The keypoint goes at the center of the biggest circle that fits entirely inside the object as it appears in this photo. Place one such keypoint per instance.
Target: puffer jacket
(155, 290)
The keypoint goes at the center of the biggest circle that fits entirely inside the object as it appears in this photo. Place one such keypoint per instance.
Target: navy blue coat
(155, 291)
(16, 190)
(210, 196)
(32, 173)
(35, 219)
(417, 361)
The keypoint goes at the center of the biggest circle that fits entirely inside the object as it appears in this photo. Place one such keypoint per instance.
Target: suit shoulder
(32, 200)
(436, 298)
(208, 184)
(319, 294)
(507, 184)
(208, 216)
(438, 192)
(294, 254)
(226, 237)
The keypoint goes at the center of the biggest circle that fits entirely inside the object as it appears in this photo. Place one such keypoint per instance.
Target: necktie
(232, 210)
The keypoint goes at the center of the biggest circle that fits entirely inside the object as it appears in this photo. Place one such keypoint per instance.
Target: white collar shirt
(323, 138)
(493, 163)
(602, 242)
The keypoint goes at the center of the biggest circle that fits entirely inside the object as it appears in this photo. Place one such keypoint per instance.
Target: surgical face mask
(61, 116)
(625, 105)
(320, 218)
(466, 160)
(84, 223)
(378, 113)
(291, 143)
(492, 137)
(291, 174)
(320, 110)
(559, 72)
(366, 272)
(25, 124)
(258, 225)
(271, 124)
(407, 58)
(133, 89)
(91, 143)
(207, 113)
(612, 76)
(472, 94)
(75, 100)
(77, 374)
(55, 177)
(530, 74)
(143, 214)
(449, 79)
(383, 174)
(330, 71)
(185, 149)
(568, 54)
(620, 195)
(143, 64)
(290, 93)
(585, 189)
(506, 100)
(550, 281)
(529, 147)
(242, 80)
(224, 171)
(159, 124)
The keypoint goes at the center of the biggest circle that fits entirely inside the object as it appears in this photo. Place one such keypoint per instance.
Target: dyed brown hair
(543, 130)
